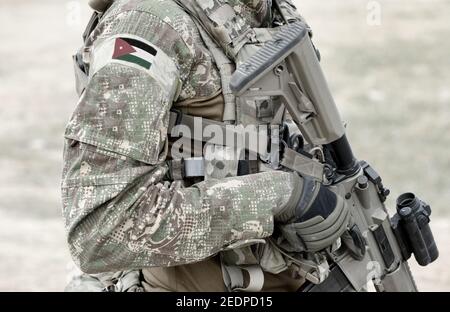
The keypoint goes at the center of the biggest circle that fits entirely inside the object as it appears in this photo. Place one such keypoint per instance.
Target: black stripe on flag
(141, 45)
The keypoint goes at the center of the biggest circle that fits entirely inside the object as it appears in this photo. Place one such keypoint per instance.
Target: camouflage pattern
(231, 23)
(124, 281)
(289, 11)
(121, 211)
(168, 27)
(226, 24)
(256, 13)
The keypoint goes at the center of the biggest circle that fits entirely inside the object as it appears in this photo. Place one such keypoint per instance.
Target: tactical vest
(231, 42)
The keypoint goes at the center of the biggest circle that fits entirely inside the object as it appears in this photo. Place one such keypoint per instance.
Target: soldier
(127, 204)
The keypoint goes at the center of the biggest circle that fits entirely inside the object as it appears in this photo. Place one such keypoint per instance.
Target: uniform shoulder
(161, 23)
(164, 17)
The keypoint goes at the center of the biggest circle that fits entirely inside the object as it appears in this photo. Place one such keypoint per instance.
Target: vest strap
(291, 159)
(233, 278)
(302, 164)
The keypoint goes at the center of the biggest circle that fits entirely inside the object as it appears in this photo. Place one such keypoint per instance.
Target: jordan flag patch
(134, 51)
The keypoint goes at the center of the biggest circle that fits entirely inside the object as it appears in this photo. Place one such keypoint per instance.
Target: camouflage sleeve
(119, 211)
(121, 214)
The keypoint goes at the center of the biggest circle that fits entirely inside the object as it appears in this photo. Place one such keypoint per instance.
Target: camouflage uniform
(122, 211)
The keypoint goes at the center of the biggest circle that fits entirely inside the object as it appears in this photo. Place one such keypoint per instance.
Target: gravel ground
(391, 81)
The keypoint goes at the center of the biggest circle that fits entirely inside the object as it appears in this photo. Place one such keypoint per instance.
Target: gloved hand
(314, 219)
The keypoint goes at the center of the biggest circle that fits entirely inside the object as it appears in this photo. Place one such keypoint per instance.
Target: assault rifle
(288, 68)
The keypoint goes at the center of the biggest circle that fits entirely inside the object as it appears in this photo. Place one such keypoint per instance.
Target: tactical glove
(314, 219)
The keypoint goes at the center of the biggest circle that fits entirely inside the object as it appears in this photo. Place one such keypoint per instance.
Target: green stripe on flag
(136, 60)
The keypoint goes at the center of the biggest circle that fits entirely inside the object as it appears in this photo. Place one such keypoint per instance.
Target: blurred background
(388, 64)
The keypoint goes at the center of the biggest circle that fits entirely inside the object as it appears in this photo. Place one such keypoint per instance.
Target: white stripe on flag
(143, 54)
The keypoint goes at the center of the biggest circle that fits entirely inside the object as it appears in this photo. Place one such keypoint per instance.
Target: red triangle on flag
(122, 48)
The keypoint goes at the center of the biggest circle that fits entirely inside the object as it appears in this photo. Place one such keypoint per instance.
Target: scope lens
(406, 200)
